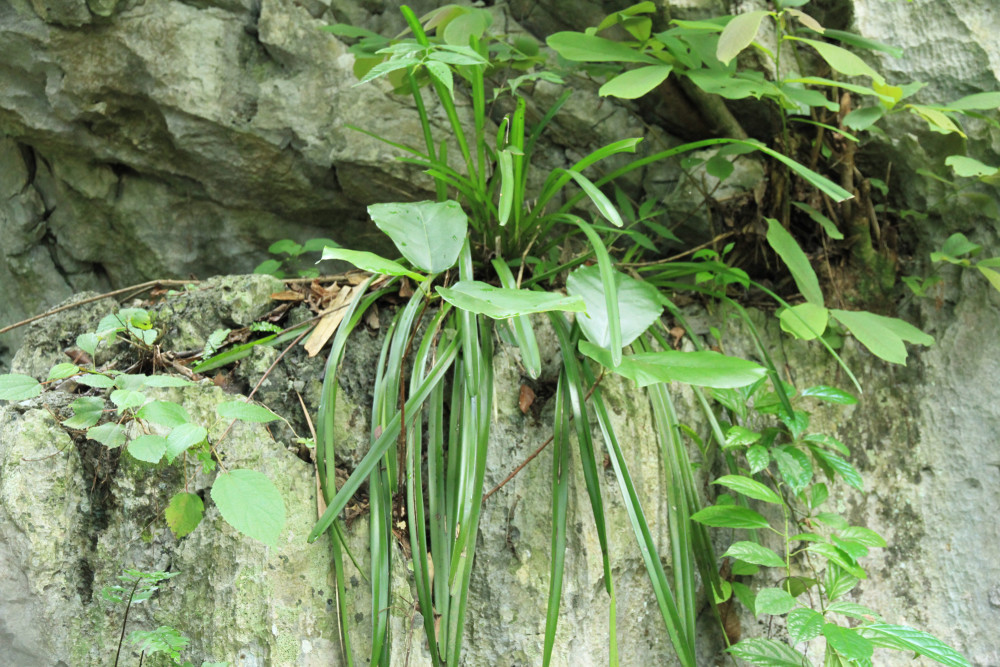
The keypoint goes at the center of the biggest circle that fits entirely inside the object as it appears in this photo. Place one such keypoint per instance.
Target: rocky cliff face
(143, 140)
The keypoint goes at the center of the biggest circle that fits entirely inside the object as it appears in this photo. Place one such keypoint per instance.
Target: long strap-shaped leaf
(637, 517)
(560, 501)
(386, 440)
(524, 333)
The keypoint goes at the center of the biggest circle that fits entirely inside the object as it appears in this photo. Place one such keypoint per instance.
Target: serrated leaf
(738, 35)
(828, 441)
(749, 487)
(848, 642)
(127, 398)
(751, 552)
(767, 653)
(428, 234)
(62, 371)
(164, 413)
(184, 513)
(110, 435)
(148, 448)
(87, 411)
(14, 387)
(794, 466)
(845, 469)
(773, 601)
(181, 438)
(740, 436)
(369, 261)
(758, 458)
(250, 503)
(248, 412)
(802, 272)
(730, 516)
(903, 638)
(804, 624)
(835, 555)
(499, 303)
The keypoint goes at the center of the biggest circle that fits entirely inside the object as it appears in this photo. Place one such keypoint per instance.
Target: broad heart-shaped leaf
(184, 513)
(148, 448)
(805, 321)
(636, 82)
(788, 249)
(738, 35)
(369, 261)
(499, 303)
(638, 305)
(15, 387)
(248, 412)
(181, 437)
(702, 369)
(883, 336)
(773, 601)
(730, 516)
(250, 503)
(580, 47)
(767, 653)
(750, 488)
(427, 233)
(751, 552)
(903, 638)
(848, 642)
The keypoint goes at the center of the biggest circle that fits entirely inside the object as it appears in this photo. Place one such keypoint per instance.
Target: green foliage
(290, 260)
(463, 251)
(152, 430)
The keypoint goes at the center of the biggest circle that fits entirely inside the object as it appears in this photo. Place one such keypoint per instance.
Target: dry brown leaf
(328, 325)
(371, 318)
(287, 295)
(526, 398)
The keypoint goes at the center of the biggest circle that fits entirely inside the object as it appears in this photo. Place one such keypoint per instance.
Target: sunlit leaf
(638, 305)
(903, 638)
(730, 516)
(882, 335)
(841, 59)
(580, 47)
(148, 448)
(248, 412)
(749, 487)
(87, 411)
(636, 82)
(165, 413)
(848, 643)
(182, 437)
(751, 552)
(773, 601)
(804, 624)
(110, 435)
(15, 387)
(805, 321)
(738, 35)
(429, 234)
(369, 261)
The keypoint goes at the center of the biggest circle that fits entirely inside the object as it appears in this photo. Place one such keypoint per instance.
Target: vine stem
(121, 639)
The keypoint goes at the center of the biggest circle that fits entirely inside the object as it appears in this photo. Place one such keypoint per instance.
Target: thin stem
(128, 606)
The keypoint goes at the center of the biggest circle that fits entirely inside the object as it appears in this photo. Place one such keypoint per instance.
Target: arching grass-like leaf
(501, 303)
(523, 331)
(250, 503)
(428, 234)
